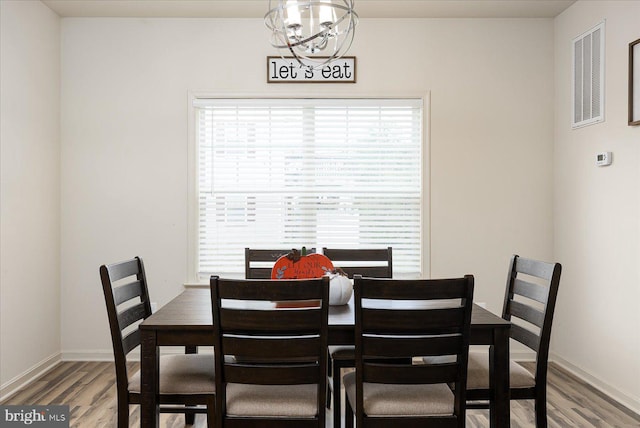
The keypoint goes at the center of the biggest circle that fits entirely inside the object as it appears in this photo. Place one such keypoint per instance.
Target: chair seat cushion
(272, 400)
(401, 400)
(182, 374)
(478, 373)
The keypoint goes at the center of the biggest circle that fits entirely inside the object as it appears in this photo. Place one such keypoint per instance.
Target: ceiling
(257, 8)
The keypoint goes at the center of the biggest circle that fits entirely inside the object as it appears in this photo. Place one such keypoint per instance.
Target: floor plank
(89, 390)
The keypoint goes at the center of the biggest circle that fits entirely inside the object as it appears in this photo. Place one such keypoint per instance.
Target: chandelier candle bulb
(293, 20)
(327, 15)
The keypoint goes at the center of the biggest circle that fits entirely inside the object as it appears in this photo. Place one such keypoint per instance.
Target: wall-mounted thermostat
(603, 159)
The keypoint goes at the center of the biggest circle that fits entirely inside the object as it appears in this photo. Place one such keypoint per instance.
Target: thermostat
(603, 159)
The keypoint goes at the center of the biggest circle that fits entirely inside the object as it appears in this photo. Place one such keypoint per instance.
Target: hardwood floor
(89, 390)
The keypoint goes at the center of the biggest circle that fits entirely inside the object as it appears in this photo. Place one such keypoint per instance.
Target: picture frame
(634, 83)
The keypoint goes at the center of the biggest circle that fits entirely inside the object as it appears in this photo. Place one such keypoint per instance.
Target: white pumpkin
(340, 289)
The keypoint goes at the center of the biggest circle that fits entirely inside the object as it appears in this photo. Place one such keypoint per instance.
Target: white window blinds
(287, 173)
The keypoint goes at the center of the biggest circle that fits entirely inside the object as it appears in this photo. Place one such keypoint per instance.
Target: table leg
(500, 412)
(149, 387)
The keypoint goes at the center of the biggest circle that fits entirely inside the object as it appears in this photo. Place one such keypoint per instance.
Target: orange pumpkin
(310, 266)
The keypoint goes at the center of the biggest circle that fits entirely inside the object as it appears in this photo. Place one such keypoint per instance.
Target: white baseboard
(10, 387)
(88, 355)
(107, 354)
(631, 403)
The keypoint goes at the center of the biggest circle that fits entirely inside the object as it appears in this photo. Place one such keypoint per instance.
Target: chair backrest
(532, 288)
(436, 325)
(258, 343)
(369, 262)
(259, 262)
(125, 292)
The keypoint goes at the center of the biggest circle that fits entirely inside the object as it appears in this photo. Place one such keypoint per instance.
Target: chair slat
(371, 271)
(410, 374)
(530, 290)
(131, 315)
(281, 374)
(440, 289)
(258, 273)
(527, 313)
(117, 271)
(369, 262)
(294, 289)
(440, 421)
(432, 321)
(127, 292)
(535, 268)
(272, 348)
(524, 336)
(131, 341)
(256, 255)
(406, 347)
(357, 255)
(265, 422)
(244, 321)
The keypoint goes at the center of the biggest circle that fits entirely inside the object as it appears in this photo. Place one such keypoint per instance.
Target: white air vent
(588, 77)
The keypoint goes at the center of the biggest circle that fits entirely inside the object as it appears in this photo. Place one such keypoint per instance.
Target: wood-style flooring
(89, 390)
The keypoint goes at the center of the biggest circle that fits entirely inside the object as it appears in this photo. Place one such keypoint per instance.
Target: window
(287, 173)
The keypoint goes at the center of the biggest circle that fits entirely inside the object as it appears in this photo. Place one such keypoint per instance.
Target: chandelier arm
(322, 33)
(303, 41)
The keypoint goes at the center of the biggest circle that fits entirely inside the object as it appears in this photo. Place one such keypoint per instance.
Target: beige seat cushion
(182, 374)
(401, 400)
(272, 400)
(478, 373)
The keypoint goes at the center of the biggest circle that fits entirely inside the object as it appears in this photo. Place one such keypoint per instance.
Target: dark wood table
(187, 321)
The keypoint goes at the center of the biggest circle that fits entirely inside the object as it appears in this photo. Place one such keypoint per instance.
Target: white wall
(125, 85)
(597, 217)
(30, 196)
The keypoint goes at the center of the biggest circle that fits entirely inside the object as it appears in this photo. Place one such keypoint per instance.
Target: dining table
(187, 321)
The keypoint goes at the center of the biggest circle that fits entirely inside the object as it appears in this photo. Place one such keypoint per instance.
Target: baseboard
(629, 402)
(90, 355)
(12, 386)
(107, 354)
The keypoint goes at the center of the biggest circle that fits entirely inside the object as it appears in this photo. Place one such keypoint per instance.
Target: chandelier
(314, 32)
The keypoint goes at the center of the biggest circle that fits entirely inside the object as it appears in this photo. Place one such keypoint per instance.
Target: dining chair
(369, 262)
(186, 381)
(271, 362)
(259, 262)
(384, 391)
(529, 303)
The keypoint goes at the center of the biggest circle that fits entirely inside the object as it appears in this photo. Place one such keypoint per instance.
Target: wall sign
(287, 70)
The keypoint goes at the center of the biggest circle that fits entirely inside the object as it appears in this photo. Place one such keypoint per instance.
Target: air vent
(588, 77)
